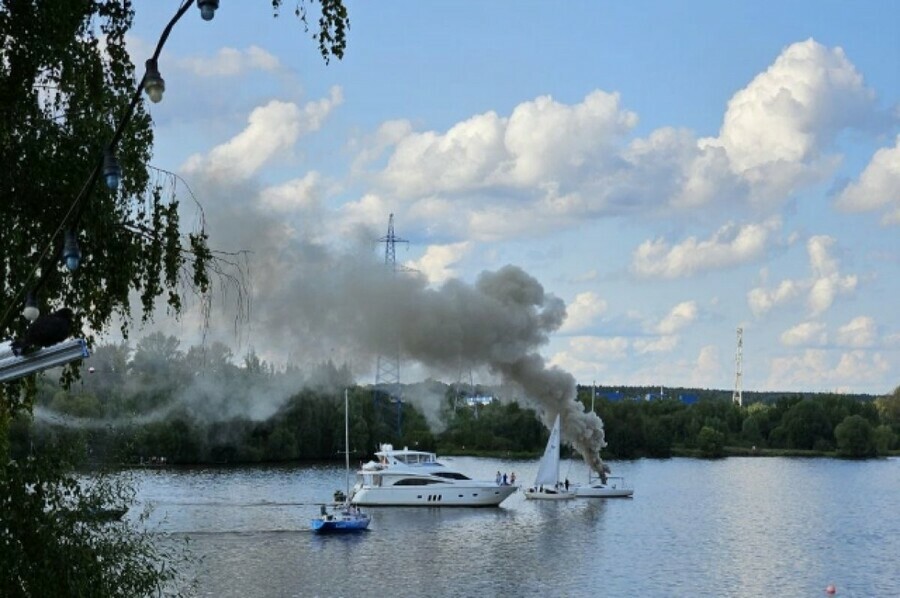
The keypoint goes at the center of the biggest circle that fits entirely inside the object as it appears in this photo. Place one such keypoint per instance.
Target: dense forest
(156, 404)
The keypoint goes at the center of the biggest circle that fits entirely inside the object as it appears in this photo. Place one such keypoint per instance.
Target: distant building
(479, 400)
(687, 399)
(611, 395)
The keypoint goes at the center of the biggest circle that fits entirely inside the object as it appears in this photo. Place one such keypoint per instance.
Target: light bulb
(207, 9)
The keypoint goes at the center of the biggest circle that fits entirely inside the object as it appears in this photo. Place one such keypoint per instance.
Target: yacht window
(452, 475)
(415, 482)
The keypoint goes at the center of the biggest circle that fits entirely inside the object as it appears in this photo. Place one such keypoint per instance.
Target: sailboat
(546, 483)
(603, 486)
(345, 517)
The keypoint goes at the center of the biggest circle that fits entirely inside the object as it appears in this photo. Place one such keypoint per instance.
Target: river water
(733, 527)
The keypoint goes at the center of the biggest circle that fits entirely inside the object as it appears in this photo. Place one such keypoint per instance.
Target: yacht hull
(419, 496)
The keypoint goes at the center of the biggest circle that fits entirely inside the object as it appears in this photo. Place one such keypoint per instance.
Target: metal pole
(347, 443)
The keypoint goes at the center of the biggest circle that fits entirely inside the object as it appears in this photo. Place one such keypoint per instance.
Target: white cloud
(858, 333)
(707, 372)
(877, 188)
(582, 312)
(824, 285)
(588, 276)
(729, 246)
(662, 344)
(438, 260)
(301, 194)
(805, 334)
(370, 149)
(465, 157)
(825, 290)
(599, 347)
(271, 130)
(588, 357)
(827, 281)
(761, 300)
(549, 165)
(818, 368)
(548, 140)
(775, 129)
(230, 62)
(680, 316)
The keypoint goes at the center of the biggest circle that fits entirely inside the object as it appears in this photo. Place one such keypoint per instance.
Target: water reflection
(738, 527)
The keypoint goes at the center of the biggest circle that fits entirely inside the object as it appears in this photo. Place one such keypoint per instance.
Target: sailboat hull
(341, 523)
(613, 487)
(545, 495)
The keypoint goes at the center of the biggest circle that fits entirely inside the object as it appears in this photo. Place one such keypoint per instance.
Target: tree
(156, 356)
(68, 94)
(711, 442)
(62, 93)
(854, 437)
(805, 424)
(69, 100)
(884, 438)
(55, 542)
(889, 408)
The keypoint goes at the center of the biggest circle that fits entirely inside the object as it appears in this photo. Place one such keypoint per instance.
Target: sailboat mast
(347, 443)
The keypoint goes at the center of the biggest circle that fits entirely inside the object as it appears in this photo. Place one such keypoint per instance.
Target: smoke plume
(315, 298)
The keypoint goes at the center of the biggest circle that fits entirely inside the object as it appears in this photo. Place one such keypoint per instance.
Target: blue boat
(344, 517)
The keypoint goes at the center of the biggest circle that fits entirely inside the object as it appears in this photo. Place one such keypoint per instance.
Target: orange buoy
(830, 589)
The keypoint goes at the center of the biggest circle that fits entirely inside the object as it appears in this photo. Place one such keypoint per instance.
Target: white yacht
(405, 478)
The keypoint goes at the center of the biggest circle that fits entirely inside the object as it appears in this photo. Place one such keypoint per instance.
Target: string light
(207, 9)
(154, 84)
(71, 252)
(112, 172)
(31, 311)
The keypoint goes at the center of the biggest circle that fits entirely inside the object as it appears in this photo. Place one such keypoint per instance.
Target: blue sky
(670, 171)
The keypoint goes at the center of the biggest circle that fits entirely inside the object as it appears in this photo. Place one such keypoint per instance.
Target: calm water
(736, 527)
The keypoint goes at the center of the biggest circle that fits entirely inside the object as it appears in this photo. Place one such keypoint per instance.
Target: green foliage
(884, 438)
(855, 438)
(334, 21)
(889, 408)
(67, 93)
(56, 541)
(62, 93)
(805, 424)
(199, 407)
(711, 442)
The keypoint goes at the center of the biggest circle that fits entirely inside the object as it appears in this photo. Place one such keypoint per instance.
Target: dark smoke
(318, 299)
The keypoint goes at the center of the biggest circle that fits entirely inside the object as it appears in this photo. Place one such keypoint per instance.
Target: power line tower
(738, 395)
(387, 371)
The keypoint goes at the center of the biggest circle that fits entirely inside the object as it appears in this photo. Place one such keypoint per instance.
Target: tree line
(157, 403)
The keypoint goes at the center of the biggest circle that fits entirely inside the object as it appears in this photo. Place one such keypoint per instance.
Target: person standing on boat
(512, 478)
(505, 483)
(499, 477)
(567, 484)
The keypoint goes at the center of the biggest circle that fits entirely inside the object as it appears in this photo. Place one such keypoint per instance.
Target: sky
(669, 171)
